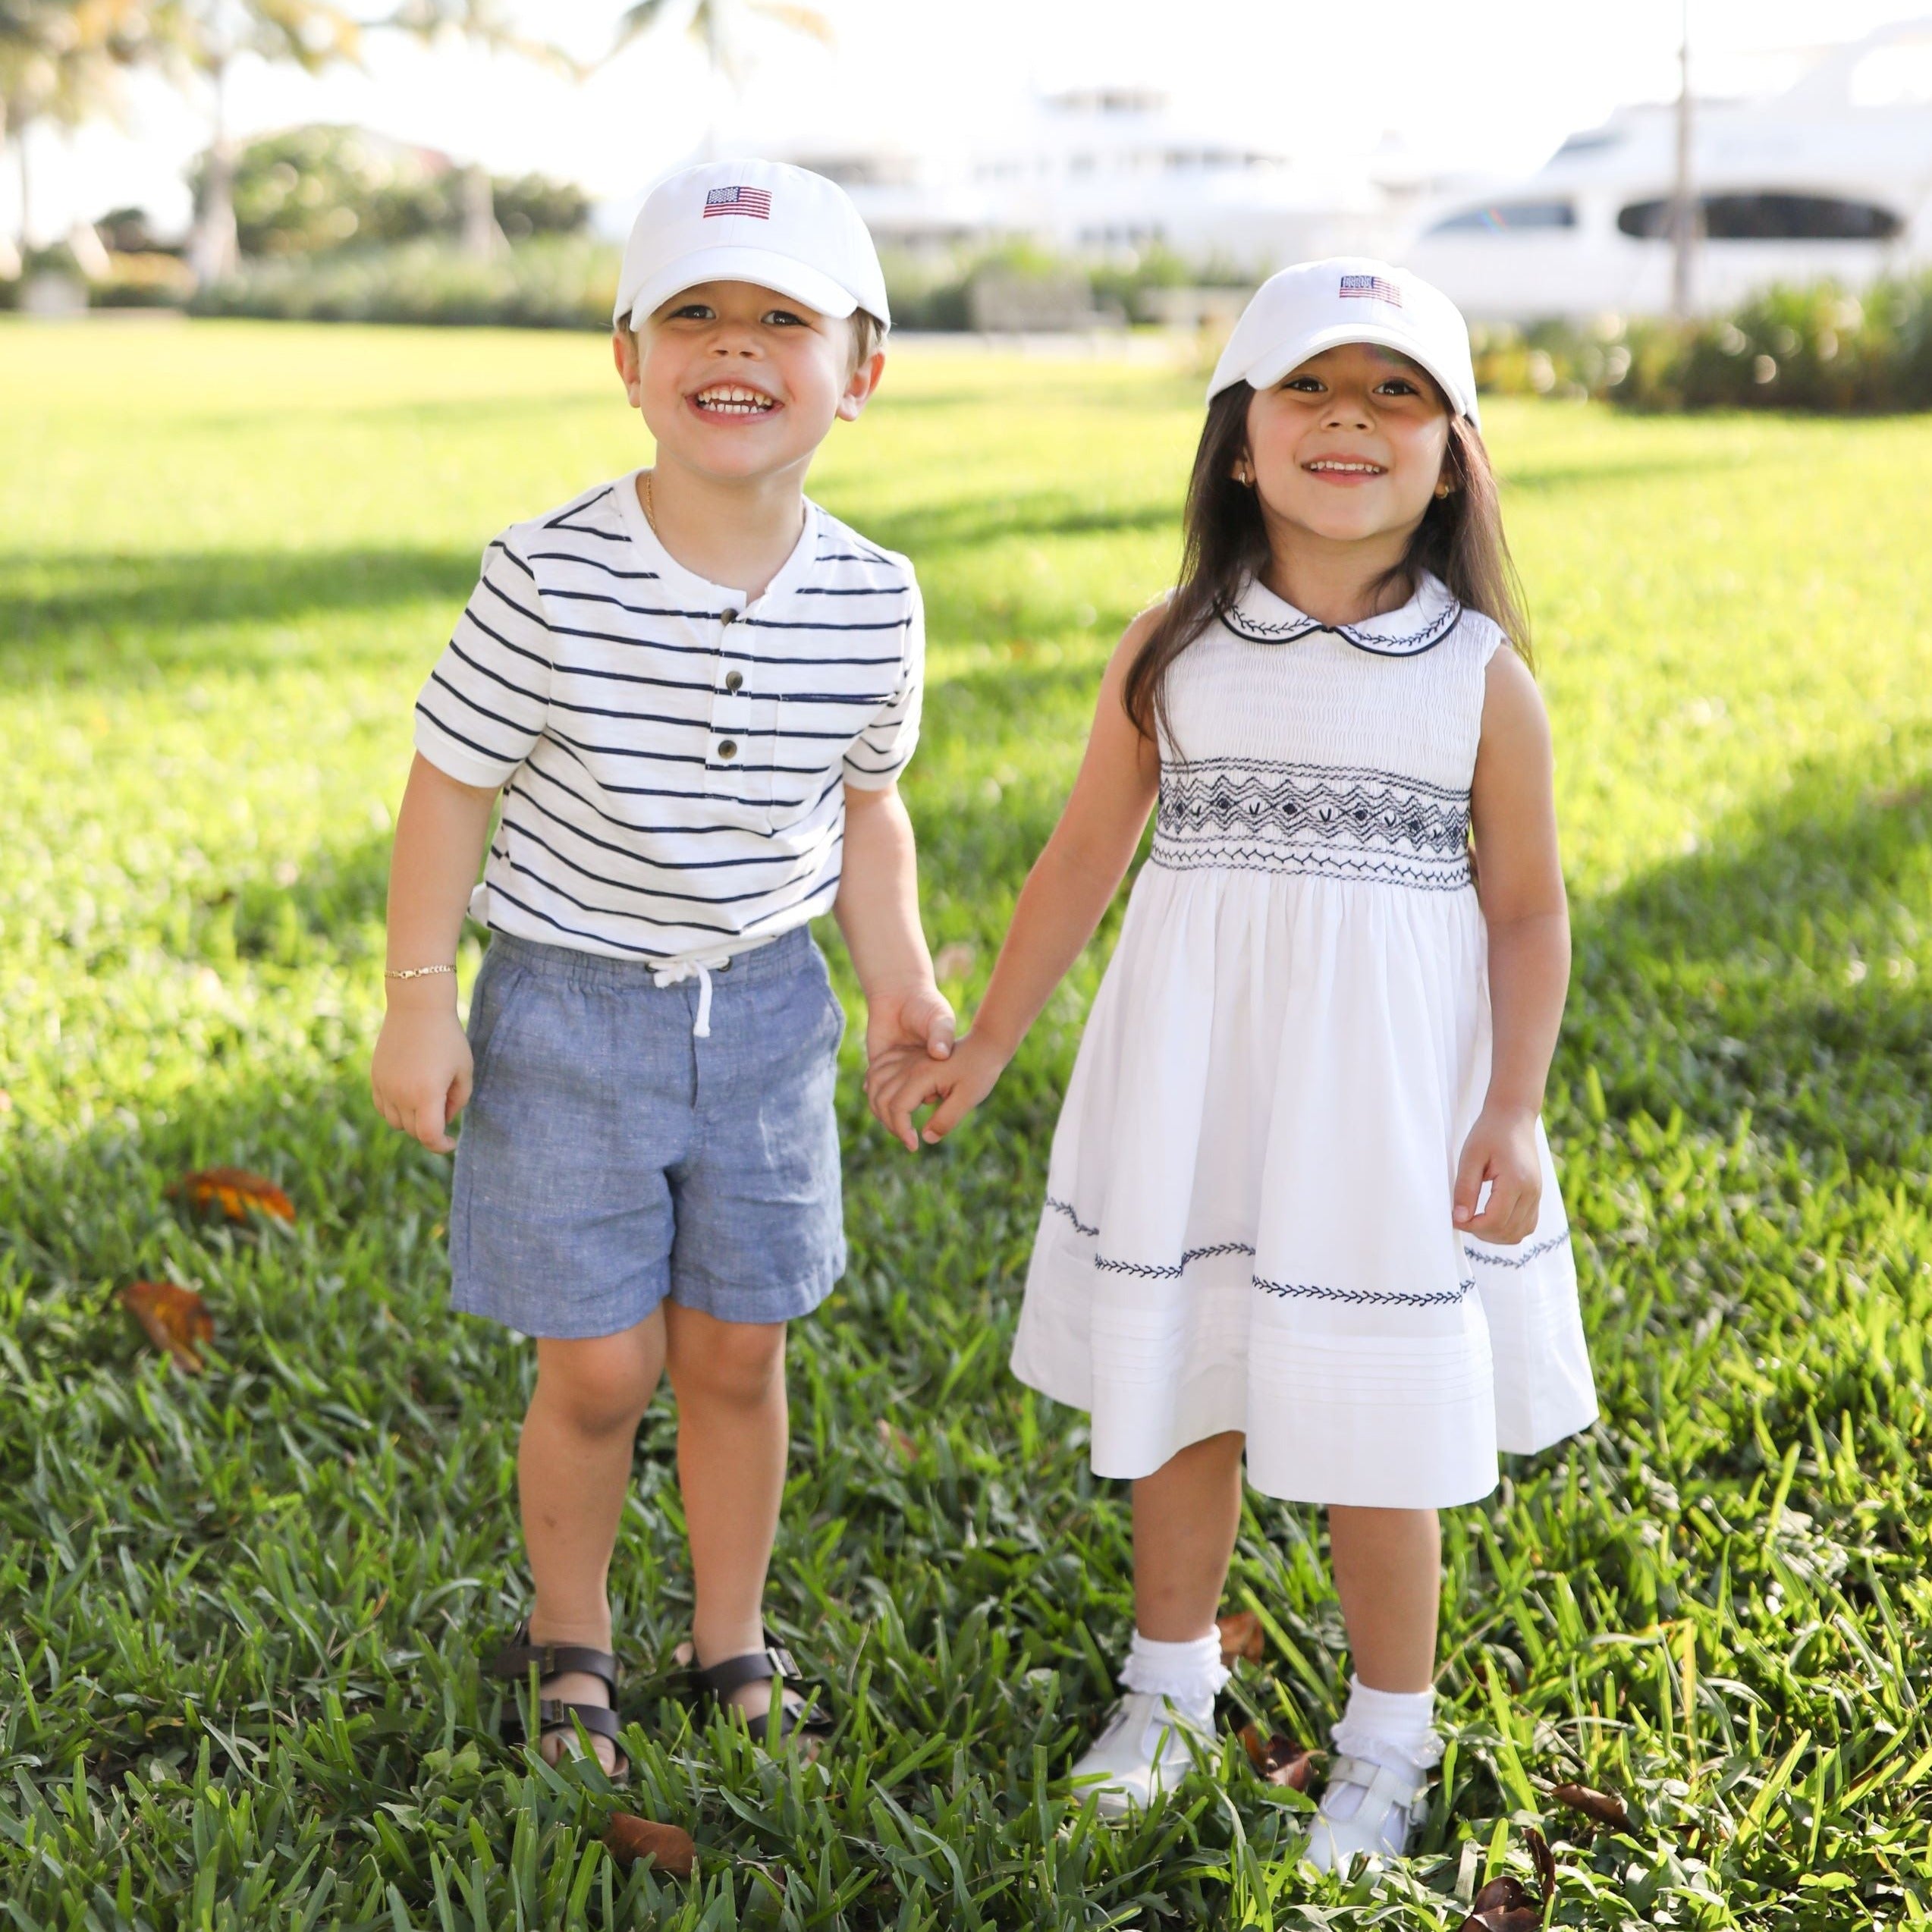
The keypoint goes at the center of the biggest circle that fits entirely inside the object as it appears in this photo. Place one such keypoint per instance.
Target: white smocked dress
(1248, 1217)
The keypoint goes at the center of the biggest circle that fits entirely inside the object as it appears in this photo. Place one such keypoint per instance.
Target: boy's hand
(422, 1073)
(1501, 1149)
(959, 1083)
(915, 1018)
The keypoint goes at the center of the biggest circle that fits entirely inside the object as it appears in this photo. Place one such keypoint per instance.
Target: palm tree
(486, 24)
(201, 40)
(718, 26)
(58, 62)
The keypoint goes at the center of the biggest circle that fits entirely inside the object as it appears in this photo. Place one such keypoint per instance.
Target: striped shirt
(674, 758)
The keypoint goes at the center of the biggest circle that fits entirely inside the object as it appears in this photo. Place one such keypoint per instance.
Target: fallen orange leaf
(1278, 1759)
(235, 1191)
(175, 1319)
(631, 1838)
(1241, 1637)
(1602, 1807)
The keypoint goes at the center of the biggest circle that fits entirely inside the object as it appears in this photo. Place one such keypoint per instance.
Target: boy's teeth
(734, 401)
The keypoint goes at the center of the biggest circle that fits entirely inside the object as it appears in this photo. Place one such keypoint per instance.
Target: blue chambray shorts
(608, 1158)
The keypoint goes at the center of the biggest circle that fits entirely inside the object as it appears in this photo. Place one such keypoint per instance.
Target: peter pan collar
(1428, 616)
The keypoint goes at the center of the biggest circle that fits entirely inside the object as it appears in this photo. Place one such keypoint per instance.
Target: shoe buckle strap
(1377, 1781)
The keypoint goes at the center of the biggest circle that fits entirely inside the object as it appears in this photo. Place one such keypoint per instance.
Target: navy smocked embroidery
(1256, 814)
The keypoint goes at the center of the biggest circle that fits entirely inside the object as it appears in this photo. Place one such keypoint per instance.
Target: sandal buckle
(782, 1661)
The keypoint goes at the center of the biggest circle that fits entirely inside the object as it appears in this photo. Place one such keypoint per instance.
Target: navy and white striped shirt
(675, 759)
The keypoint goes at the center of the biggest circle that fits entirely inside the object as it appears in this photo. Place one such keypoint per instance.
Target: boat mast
(1684, 222)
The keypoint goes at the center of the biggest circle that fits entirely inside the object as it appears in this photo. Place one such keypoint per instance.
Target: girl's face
(741, 382)
(1349, 446)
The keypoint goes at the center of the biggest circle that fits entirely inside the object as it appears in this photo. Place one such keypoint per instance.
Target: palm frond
(801, 19)
(485, 24)
(641, 17)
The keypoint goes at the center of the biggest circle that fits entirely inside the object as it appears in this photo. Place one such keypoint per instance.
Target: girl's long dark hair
(1224, 544)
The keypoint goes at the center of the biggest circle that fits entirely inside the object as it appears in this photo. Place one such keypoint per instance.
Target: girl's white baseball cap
(761, 221)
(1349, 298)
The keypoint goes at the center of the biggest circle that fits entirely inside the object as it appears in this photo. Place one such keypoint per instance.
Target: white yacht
(1832, 178)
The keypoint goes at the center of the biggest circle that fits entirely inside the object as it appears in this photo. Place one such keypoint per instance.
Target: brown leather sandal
(800, 1721)
(556, 1717)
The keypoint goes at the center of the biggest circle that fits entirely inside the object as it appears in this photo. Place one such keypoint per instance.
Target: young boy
(694, 691)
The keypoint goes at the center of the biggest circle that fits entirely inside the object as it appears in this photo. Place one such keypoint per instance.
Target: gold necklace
(650, 512)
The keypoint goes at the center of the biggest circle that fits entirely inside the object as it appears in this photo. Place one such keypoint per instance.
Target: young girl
(1299, 1203)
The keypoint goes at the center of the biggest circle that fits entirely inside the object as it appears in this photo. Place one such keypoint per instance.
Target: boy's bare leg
(573, 1472)
(1388, 1574)
(733, 1433)
(1185, 1516)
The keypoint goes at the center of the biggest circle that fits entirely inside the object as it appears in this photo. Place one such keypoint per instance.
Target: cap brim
(763, 266)
(1265, 371)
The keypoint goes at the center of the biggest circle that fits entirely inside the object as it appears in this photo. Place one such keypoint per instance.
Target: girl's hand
(423, 1072)
(1501, 1149)
(958, 1083)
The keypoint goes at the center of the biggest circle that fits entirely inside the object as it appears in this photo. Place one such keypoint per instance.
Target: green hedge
(549, 283)
(1816, 348)
(1819, 349)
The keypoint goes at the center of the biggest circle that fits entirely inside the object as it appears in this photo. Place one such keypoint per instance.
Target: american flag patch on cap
(754, 202)
(1371, 288)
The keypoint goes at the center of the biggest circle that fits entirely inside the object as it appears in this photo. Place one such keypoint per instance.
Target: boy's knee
(597, 1386)
(734, 1363)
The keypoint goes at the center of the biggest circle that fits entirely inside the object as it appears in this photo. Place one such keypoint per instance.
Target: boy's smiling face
(740, 383)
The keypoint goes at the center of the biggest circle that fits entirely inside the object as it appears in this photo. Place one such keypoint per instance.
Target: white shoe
(1146, 1749)
(1366, 1808)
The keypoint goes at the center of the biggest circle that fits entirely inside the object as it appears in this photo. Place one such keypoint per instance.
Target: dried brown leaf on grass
(1241, 1637)
(1545, 1864)
(894, 1438)
(1277, 1758)
(630, 1838)
(1504, 1904)
(1602, 1807)
(236, 1192)
(176, 1320)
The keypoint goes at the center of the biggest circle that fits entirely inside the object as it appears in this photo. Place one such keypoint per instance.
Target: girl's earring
(1444, 488)
(1244, 475)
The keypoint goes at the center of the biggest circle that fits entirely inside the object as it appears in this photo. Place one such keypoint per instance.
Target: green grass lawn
(240, 1614)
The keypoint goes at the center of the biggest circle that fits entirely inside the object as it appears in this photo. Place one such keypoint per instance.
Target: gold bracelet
(413, 972)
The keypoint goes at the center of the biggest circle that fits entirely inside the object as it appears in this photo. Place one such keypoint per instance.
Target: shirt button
(733, 680)
(728, 748)
(727, 617)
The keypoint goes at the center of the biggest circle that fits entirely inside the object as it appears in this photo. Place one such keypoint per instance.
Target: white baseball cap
(1349, 298)
(761, 221)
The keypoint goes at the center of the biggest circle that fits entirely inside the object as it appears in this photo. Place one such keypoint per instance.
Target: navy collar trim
(1248, 618)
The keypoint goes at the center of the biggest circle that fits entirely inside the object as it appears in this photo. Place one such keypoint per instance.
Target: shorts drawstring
(674, 972)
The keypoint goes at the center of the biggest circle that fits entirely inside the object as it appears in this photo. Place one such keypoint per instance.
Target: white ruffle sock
(1393, 1728)
(1189, 1675)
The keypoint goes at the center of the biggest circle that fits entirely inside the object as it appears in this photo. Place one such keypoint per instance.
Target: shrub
(1818, 348)
(310, 190)
(553, 282)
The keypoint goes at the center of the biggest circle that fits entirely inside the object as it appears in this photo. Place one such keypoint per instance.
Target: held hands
(959, 1083)
(421, 1076)
(906, 1027)
(1501, 1150)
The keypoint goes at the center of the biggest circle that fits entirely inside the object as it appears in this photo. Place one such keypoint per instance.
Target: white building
(1832, 178)
(1111, 171)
